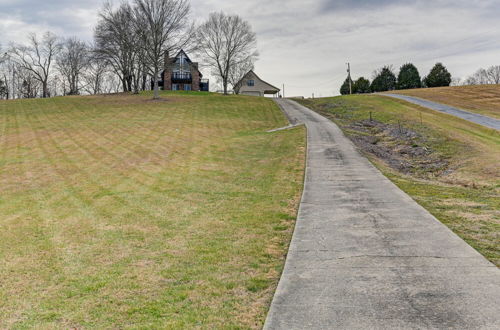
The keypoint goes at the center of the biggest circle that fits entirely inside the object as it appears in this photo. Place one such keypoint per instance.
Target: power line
(335, 79)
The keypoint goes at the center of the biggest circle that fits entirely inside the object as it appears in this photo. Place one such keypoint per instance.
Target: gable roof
(183, 52)
(172, 60)
(252, 72)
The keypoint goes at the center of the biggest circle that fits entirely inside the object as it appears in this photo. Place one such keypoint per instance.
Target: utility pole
(283, 90)
(349, 77)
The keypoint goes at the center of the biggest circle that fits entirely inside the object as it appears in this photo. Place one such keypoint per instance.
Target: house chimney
(166, 60)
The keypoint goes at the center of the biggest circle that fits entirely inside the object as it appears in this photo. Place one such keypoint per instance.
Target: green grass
(466, 198)
(120, 212)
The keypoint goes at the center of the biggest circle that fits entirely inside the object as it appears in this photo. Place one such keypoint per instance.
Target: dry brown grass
(482, 99)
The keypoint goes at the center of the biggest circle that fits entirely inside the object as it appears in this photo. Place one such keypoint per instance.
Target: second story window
(251, 83)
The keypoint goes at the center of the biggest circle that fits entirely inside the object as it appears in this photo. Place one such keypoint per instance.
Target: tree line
(127, 52)
(385, 79)
(408, 77)
(482, 76)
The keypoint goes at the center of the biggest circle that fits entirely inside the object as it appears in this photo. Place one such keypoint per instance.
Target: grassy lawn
(121, 212)
(482, 99)
(462, 190)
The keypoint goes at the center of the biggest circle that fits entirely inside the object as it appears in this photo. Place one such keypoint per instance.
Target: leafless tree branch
(227, 44)
(37, 57)
(162, 26)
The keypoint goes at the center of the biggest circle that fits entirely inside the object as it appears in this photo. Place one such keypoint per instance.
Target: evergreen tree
(344, 89)
(361, 86)
(385, 80)
(408, 77)
(438, 77)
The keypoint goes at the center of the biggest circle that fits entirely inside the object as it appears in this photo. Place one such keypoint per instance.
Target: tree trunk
(144, 80)
(44, 89)
(136, 82)
(6, 87)
(224, 83)
(156, 95)
(129, 83)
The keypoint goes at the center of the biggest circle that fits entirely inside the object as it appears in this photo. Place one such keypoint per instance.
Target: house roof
(179, 53)
(172, 60)
(251, 71)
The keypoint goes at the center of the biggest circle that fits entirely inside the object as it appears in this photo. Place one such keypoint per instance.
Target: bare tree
(470, 80)
(237, 74)
(3, 56)
(484, 76)
(456, 81)
(493, 73)
(226, 42)
(4, 87)
(71, 61)
(37, 57)
(111, 84)
(4, 91)
(7, 75)
(162, 26)
(116, 42)
(57, 85)
(28, 85)
(95, 74)
(4, 80)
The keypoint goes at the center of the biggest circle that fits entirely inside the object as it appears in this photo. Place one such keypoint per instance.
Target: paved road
(473, 117)
(364, 255)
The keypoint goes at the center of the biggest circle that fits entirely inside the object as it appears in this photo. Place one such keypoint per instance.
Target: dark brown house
(182, 74)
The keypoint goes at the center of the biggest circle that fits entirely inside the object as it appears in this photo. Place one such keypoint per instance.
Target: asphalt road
(364, 255)
(473, 117)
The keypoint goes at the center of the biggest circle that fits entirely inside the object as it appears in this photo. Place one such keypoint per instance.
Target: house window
(175, 87)
(251, 83)
(187, 87)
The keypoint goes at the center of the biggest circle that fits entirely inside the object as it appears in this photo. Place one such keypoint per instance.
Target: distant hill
(482, 99)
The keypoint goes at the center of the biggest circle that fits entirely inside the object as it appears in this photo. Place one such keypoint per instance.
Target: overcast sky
(306, 43)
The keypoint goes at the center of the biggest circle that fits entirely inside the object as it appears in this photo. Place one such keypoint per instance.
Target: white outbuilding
(251, 84)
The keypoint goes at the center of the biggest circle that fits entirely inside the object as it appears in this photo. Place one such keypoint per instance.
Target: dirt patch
(401, 148)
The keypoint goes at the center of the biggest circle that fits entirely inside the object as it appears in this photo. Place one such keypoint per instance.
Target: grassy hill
(122, 212)
(482, 99)
(448, 165)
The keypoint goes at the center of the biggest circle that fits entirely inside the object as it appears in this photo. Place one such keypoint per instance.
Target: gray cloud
(357, 5)
(306, 43)
(362, 4)
(64, 17)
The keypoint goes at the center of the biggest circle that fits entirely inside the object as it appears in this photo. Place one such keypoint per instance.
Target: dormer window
(251, 83)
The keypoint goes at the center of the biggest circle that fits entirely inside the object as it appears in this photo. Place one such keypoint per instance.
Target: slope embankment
(364, 255)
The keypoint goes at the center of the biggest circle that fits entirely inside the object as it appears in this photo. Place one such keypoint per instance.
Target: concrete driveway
(473, 117)
(364, 255)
